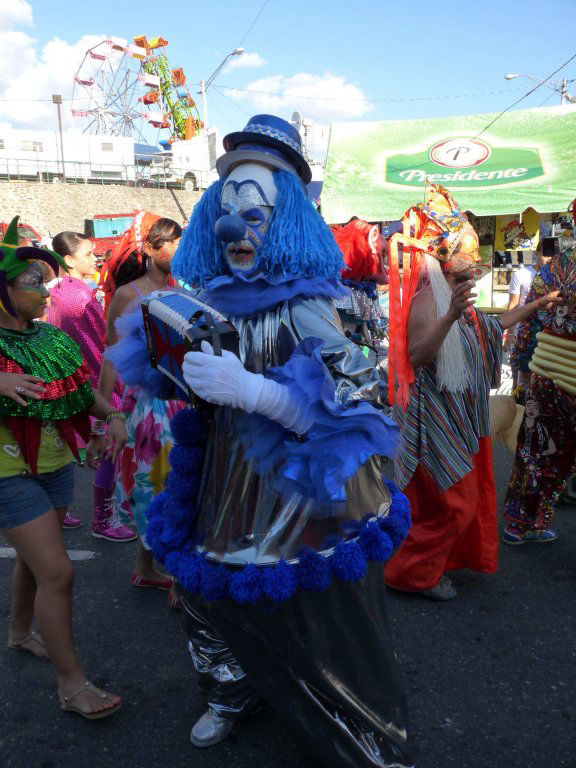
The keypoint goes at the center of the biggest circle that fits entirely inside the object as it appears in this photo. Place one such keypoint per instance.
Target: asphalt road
(491, 675)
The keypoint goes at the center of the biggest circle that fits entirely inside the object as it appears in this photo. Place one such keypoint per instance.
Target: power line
(251, 27)
(224, 116)
(223, 95)
(339, 98)
(525, 95)
(77, 98)
(546, 99)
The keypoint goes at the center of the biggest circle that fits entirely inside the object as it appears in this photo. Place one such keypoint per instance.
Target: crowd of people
(256, 485)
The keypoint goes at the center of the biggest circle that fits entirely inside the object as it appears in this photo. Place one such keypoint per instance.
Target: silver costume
(243, 517)
(324, 660)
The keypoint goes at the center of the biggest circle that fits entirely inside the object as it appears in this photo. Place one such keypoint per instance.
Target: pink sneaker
(70, 522)
(112, 530)
(105, 524)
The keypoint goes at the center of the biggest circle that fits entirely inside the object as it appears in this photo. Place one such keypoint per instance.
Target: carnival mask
(248, 199)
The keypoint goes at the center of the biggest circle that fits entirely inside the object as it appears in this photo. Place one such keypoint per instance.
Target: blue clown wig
(298, 241)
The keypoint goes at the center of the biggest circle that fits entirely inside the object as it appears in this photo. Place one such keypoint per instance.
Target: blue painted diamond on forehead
(243, 194)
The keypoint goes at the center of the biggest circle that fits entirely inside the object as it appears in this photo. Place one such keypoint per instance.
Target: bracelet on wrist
(115, 415)
(99, 427)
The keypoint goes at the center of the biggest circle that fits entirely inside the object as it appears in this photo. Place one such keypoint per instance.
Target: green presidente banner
(526, 159)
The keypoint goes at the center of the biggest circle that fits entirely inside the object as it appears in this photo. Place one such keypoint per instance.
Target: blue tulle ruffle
(341, 439)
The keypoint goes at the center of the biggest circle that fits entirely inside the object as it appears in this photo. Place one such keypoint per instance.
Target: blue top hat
(265, 139)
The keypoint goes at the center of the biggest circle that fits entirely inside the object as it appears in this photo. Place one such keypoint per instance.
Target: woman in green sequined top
(45, 396)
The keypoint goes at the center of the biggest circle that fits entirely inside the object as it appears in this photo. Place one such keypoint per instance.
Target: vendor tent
(527, 158)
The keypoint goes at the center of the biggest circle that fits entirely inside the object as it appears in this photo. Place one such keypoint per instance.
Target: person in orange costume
(444, 358)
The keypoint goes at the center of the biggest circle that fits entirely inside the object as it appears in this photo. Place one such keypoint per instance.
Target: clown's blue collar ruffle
(246, 295)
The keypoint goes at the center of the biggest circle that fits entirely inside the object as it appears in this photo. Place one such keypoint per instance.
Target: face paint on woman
(31, 280)
(31, 293)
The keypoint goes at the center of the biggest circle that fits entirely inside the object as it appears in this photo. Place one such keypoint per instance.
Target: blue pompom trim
(173, 539)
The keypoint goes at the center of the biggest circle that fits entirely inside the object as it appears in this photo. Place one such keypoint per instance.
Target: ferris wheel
(108, 88)
(176, 109)
(119, 86)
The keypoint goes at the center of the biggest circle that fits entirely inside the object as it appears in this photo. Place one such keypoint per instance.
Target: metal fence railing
(158, 174)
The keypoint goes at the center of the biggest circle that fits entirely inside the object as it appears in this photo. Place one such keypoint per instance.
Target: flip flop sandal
(19, 645)
(67, 705)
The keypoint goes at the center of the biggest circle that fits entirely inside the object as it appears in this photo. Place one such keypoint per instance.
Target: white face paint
(250, 193)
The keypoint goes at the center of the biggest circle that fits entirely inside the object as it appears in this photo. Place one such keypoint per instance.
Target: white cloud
(14, 13)
(323, 97)
(29, 78)
(244, 61)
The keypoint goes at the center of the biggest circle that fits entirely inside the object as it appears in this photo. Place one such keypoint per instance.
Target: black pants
(323, 660)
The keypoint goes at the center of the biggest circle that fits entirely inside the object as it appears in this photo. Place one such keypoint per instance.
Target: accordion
(175, 323)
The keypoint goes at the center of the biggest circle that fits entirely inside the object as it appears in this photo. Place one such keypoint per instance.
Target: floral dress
(143, 463)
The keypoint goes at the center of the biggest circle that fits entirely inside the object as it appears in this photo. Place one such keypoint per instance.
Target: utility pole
(563, 94)
(204, 107)
(57, 99)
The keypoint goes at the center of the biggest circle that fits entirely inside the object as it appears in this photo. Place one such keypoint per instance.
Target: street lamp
(57, 99)
(559, 87)
(205, 84)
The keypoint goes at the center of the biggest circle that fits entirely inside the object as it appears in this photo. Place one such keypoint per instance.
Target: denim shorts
(25, 497)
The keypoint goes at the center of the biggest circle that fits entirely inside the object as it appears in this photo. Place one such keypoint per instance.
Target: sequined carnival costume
(546, 448)
(46, 352)
(364, 249)
(276, 517)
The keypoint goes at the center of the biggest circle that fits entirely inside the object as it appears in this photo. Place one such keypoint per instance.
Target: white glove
(222, 380)
(225, 381)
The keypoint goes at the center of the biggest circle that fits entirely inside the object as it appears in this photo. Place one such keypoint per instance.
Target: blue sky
(340, 55)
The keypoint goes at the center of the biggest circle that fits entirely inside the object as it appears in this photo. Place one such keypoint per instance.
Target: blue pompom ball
(313, 571)
(184, 488)
(156, 506)
(375, 544)
(214, 581)
(188, 571)
(348, 562)
(280, 581)
(246, 585)
(186, 459)
(154, 529)
(175, 537)
(188, 426)
(394, 527)
(171, 562)
(178, 514)
(401, 508)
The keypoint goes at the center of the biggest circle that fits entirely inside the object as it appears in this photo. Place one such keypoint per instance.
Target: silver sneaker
(210, 729)
(444, 590)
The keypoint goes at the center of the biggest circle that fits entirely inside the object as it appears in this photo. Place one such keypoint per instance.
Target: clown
(279, 572)
(444, 358)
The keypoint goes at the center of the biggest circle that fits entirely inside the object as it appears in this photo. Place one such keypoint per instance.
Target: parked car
(26, 233)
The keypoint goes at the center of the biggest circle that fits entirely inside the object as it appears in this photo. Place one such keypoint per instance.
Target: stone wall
(52, 208)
